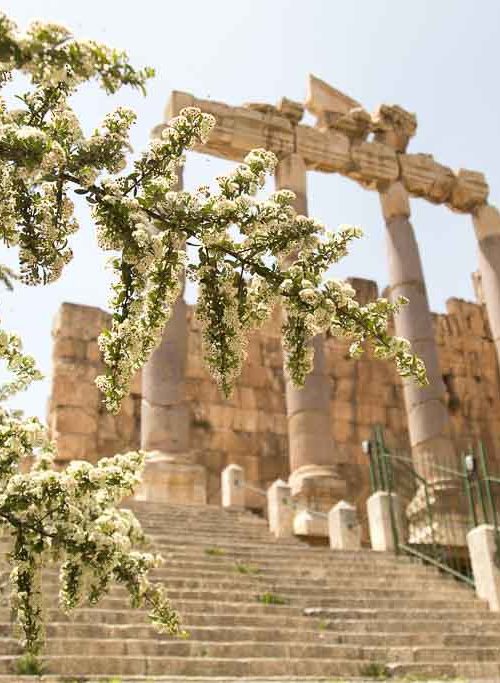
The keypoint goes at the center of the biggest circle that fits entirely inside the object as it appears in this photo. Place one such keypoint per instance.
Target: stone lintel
(470, 191)
(424, 177)
(372, 163)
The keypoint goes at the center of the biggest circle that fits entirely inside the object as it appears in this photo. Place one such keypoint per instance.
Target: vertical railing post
(468, 493)
(487, 483)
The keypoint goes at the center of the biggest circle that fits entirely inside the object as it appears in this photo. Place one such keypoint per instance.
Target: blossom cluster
(251, 254)
(69, 517)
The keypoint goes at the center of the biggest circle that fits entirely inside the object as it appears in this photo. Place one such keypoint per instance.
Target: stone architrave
(171, 475)
(314, 478)
(487, 225)
(426, 409)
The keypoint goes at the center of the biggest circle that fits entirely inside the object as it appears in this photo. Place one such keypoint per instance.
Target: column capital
(486, 221)
(395, 202)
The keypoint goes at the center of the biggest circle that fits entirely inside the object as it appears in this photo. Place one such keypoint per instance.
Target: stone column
(427, 413)
(487, 225)
(171, 475)
(314, 477)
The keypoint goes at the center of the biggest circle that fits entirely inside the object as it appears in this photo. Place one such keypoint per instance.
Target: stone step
(295, 599)
(321, 634)
(240, 590)
(345, 611)
(207, 666)
(401, 612)
(214, 551)
(240, 679)
(92, 647)
(86, 617)
(236, 581)
(362, 623)
(309, 570)
(261, 536)
(227, 566)
(184, 542)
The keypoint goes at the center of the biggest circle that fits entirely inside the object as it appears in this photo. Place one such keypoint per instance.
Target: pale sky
(438, 58)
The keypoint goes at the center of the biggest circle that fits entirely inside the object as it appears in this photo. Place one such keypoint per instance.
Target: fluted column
(487, 225)
(171, 475)
(313, 472)
(427, 413)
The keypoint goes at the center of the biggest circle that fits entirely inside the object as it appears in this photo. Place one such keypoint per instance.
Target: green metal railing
(483, 491)
(436, 504)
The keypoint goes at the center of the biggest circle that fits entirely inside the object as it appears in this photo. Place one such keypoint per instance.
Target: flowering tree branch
(252, 254)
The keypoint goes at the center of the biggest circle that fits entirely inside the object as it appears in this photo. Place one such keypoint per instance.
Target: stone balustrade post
(314, 477)
(487, 226)
(381, 520)
(482, 549)
(344, 529)
(426, 409)
(279, 509)
(233, 487)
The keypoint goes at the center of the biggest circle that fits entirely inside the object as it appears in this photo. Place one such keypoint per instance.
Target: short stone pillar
(344, 529)
(482, 550)
(233, 487)
(279, 509)
(380, 520)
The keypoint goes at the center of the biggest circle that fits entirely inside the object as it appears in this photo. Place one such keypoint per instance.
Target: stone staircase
(341, 614)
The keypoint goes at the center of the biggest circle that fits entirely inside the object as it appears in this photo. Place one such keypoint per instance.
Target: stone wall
(77, 419)
(250, 428)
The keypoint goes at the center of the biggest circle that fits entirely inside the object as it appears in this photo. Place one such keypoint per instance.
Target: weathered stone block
(79, 322)
(374, 162)
(233, 487)
(73, 420)
(279, 509)
(381, 520)
(69, 348)
(483, 551)
(424, 177)
(469, 191)
(76, 447)
(344, 529)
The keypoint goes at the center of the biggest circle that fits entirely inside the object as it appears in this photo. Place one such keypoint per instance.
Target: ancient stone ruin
(257, 600)
(309, 437)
